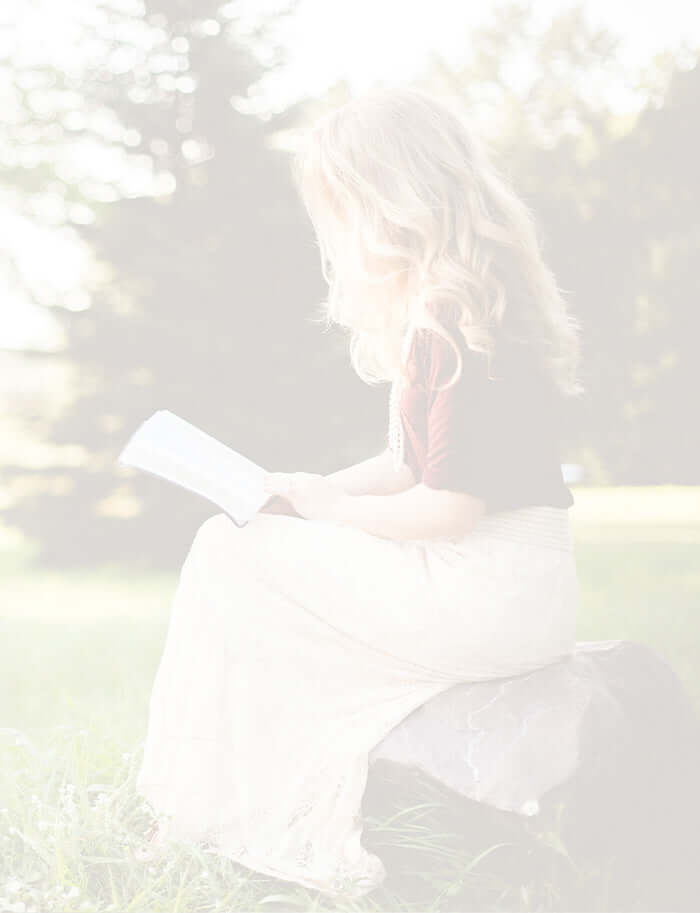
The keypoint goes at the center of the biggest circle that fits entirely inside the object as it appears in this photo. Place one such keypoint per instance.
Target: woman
(298, 642)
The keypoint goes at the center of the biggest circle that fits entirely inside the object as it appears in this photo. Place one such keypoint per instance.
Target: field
(79, 652)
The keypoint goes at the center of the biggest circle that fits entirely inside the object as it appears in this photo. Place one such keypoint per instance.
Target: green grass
(79, 651)
(637, 555)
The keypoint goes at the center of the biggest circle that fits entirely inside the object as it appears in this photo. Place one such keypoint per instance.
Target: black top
(497, 439)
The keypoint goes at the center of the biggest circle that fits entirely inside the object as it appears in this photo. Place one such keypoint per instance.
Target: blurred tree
(212, 276)
(211, 283)
(645, 233)
(616, 203)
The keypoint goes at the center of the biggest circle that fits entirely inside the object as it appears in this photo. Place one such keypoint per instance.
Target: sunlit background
(154, 255)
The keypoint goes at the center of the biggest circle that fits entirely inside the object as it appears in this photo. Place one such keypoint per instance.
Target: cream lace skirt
(294, 646)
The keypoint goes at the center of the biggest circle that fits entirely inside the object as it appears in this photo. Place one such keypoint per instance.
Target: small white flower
(530, 807)
(13, 885)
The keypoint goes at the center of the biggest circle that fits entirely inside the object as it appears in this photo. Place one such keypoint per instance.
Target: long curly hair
(404, 198)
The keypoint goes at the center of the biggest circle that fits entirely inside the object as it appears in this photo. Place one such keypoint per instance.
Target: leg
(263, 712)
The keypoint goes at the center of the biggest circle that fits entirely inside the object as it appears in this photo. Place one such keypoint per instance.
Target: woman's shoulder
(434, 358)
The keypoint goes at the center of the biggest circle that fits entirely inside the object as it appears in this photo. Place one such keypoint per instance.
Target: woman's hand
(313, 496)
(278, 505)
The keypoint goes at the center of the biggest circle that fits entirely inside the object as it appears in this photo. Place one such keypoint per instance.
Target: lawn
(79, 652)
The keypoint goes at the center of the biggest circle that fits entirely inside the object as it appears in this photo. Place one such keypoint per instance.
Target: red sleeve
(461, 453)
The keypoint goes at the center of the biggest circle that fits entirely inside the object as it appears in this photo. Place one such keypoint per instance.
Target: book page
(176, 450)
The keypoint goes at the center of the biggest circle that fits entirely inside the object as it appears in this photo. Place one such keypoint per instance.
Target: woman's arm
(374, 476)
(419, 512)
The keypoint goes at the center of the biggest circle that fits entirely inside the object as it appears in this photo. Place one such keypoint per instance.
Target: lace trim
(346, 880)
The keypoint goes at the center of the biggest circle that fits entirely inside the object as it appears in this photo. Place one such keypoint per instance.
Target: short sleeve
(495, 438)
(463, 452)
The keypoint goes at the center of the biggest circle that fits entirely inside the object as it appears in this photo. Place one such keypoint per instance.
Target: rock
(609, 734)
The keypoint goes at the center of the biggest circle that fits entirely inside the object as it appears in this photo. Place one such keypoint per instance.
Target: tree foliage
(212, 281)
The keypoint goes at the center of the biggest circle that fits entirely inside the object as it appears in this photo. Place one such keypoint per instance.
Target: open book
(170, 447)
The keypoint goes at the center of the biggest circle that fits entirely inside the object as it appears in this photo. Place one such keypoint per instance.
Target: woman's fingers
(276, 483)
(283, 483)
(286, 509)
(279, 505)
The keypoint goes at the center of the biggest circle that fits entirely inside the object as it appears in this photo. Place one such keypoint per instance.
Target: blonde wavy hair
(397, 175)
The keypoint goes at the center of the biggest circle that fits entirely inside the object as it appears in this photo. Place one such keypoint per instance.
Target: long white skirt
(295, 646)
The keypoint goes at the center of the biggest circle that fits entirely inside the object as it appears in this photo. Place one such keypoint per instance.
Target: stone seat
(597, 755)
(509, 741)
